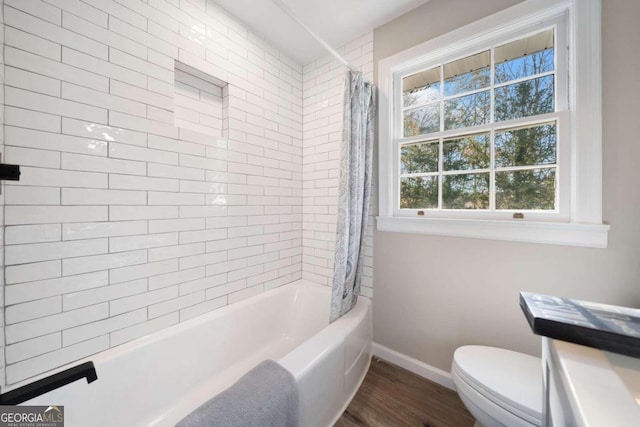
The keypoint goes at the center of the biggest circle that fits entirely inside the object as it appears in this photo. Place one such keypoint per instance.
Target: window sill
(570, 234)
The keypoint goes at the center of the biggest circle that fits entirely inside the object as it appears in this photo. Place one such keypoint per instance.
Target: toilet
(499, 387)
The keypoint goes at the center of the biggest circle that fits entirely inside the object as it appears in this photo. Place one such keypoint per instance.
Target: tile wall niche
(323, 99)
(123, 223)
(200, 101)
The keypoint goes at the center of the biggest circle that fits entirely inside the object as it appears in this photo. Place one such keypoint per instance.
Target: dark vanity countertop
(606, 327)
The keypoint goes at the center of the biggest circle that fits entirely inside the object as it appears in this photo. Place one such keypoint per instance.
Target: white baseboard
(414, 365)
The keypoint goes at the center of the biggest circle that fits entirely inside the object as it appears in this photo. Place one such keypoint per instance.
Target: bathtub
(158, 379)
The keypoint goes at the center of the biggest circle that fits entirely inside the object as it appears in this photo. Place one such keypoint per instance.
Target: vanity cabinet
(584, 386)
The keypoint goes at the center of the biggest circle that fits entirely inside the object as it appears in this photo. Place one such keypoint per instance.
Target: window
(481, 134)
(487, 129)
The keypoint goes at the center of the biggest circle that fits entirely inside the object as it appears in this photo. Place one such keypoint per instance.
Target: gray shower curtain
(354, 194)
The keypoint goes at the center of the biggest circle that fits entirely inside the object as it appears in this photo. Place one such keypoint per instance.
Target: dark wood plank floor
(391, 396)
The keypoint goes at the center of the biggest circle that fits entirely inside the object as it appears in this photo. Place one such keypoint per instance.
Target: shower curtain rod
(292, 14)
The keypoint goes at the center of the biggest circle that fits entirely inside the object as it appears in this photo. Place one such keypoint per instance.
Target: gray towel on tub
(267, 395)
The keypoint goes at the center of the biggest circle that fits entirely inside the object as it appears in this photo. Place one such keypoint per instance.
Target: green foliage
(419, 158)
(419, 193)
(532, 189)
(468, 152)
(526, 146)
(466, 191)
(524, 99)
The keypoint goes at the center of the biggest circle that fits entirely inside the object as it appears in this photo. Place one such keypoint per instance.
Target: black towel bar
(22, 394)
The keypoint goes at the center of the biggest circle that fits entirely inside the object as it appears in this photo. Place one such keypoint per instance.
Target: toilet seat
(509, 380)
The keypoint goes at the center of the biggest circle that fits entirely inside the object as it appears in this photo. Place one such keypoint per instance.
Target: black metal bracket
(22, 394)
(9, 172)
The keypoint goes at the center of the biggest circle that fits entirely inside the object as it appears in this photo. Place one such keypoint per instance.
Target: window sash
(492, 169)
(562, 201)
(559, 72)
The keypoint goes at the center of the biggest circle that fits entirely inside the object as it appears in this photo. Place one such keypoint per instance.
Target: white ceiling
(337, 21)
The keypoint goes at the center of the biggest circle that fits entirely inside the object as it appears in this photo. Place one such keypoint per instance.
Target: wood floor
(391, 396)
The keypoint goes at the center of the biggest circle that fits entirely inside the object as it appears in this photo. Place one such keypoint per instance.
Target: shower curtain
(354, 194)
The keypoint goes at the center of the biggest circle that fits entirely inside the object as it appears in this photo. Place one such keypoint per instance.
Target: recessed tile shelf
(200, 101)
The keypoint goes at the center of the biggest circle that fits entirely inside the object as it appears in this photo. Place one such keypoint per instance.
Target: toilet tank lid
(513, 378)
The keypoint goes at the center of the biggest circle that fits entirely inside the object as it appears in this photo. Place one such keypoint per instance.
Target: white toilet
(499, 387)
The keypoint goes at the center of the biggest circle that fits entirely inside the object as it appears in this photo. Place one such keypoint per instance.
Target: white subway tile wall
(124, 223)
(167, 170)
(5, 112)
(323, 98)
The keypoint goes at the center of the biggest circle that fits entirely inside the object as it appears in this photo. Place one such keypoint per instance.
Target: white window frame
(578, 219)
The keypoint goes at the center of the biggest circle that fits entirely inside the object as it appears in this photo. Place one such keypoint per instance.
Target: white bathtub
(158, 379)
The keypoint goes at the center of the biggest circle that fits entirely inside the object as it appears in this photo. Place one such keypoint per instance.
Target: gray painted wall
(434, 294)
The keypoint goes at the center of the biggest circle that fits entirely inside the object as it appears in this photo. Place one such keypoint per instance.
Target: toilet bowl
(499, 387)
